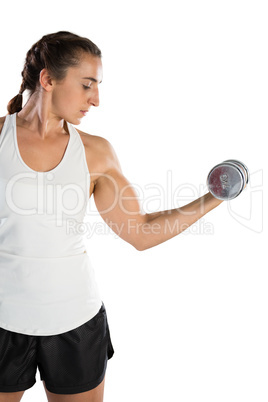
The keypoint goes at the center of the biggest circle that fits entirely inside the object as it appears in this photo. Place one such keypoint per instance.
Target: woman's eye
(85, 87)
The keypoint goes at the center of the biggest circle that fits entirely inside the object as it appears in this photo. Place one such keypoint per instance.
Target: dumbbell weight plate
(225, 181)
(242, 166)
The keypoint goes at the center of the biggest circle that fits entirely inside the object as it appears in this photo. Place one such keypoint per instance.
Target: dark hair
(56, 52)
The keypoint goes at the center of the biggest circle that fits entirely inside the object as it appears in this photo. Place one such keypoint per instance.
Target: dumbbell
(228, 179)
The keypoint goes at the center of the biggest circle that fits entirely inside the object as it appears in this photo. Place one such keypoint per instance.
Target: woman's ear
(45, 80)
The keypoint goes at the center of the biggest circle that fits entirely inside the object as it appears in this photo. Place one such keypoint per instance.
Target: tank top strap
(7, 123)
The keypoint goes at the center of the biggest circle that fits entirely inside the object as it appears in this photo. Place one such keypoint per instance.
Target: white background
(184, 87)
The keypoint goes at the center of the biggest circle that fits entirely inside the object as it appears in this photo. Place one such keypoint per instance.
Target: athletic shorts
(69, 363)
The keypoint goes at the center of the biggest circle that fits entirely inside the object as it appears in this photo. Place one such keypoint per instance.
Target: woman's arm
(119, 207)
(170, 223)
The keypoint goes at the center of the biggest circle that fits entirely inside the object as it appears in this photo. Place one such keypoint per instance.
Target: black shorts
(69, 363)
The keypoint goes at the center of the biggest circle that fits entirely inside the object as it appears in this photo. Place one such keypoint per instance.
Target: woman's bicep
(118, 205)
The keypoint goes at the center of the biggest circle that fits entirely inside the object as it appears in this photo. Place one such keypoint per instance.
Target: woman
(51, 312)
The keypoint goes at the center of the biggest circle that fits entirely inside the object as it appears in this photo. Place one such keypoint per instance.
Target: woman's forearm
(161, 226)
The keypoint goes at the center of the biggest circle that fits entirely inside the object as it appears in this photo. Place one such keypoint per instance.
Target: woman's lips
(84, 112)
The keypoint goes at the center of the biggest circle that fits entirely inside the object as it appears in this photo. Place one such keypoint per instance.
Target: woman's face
(79, 90)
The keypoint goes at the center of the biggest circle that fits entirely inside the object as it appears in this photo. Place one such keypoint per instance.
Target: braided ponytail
(15, 104)
(56, 52)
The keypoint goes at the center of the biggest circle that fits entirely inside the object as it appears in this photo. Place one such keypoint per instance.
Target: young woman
(51, 313)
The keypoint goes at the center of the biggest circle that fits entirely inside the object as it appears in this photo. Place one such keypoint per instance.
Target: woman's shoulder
(93, 140)
(99, 151)
(95, 143)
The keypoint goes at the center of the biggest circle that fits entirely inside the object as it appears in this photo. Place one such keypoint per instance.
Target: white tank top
(47, 282)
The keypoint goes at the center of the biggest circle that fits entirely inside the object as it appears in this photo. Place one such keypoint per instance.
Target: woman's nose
(94, 98)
